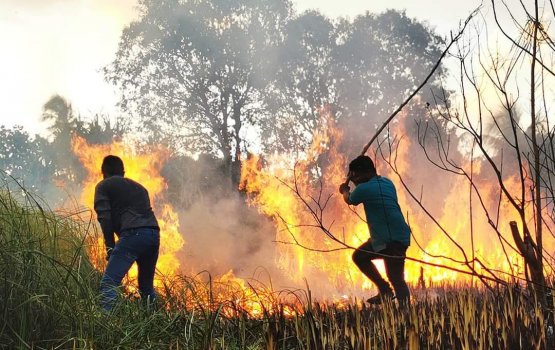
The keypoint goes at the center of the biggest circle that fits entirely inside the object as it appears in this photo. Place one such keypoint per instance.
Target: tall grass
(49, 299)
(45, 276)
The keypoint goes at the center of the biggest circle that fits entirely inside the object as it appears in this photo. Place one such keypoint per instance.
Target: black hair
(112, 165)
(362, 164)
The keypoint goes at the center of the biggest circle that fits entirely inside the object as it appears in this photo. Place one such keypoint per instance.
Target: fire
(277, 192)
(257, 299)
(300, 194)
(145, 168)
(273, 189)
(228, 292)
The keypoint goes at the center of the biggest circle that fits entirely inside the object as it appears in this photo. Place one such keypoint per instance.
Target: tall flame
(276, 189)
(295, 197)
(229, 291)
(315, 230)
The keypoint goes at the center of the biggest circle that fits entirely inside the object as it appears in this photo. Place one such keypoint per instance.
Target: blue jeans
(140, 245)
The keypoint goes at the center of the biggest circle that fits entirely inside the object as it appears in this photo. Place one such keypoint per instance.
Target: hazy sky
(58, 47)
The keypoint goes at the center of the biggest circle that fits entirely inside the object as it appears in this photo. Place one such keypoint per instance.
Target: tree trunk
(236, 163)
(536, 283)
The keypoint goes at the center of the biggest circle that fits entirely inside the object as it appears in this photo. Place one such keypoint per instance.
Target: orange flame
(229, 291)
(277, 192)
(273, 188)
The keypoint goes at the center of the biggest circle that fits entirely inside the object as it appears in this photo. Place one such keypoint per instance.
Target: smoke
(224, 234)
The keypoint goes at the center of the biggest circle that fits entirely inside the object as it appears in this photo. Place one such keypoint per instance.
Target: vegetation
(46, 277)
(218, 79)
(225, 77)
(48, 289)
(507, 127)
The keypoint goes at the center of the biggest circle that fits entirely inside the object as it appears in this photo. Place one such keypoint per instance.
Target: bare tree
(504, 113)
(499, 110)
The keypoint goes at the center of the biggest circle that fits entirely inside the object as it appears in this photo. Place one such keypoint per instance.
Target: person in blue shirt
(389, 233)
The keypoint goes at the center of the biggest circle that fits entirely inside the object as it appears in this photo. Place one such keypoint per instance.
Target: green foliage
(214, 76)
(43, 164)
(192, 72)
(44, 272)
(23, 156)
(359, 70)
(305, 82)
(382, 58)
(100, 130)
(66, 124)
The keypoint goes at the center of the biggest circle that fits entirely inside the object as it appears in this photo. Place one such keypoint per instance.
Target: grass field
(49, 300)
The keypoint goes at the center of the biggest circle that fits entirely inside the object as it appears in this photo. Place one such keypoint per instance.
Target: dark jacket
(122, 204)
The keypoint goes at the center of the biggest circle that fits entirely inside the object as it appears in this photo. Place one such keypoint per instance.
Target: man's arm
(104, 215)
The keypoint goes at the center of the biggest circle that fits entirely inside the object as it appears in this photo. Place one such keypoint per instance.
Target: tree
(192, 72)
(357, 71)
(64, 123)
(25, 158)
(505, 116)
(101, 130)
(381, 59)
(304, 85)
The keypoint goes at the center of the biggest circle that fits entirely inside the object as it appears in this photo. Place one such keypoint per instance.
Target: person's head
(112, 165)
(361, 169)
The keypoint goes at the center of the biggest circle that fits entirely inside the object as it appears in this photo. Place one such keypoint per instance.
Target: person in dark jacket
(123, 208)
(389, 233)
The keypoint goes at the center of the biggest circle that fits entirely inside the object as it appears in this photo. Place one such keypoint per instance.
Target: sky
(59, 47)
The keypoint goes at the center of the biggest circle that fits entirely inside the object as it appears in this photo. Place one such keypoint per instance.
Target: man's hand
(344, 187)
(345, 191)
(108, 253)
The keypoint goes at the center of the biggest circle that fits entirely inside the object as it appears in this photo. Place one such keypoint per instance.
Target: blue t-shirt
(383, 214)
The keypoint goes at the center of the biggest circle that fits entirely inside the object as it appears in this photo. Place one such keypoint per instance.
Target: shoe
(380, 298)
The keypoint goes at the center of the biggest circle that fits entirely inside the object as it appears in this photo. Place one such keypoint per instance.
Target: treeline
(48, 167)
(46, 164)
(217, 79)
(224, 77)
